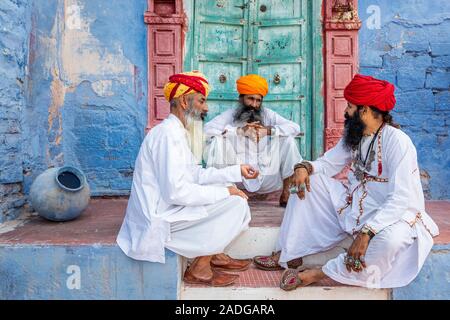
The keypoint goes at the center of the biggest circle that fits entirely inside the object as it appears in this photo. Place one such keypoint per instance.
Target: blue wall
(87, 272)
(86, 103)
(410, 46)
(433, 281)
(14, 30)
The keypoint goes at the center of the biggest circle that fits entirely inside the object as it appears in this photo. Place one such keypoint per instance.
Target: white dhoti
(210, 235)
(394, 256)
(274, 157)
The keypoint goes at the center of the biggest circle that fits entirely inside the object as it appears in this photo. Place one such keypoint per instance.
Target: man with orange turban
(255, 134)
(177, 205)
(381, 208)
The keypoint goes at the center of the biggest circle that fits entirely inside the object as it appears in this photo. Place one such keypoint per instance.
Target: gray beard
(194, 127)
(245, 114)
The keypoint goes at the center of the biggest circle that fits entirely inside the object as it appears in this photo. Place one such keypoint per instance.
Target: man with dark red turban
(255, 134)
(381, 208)
(177, 205)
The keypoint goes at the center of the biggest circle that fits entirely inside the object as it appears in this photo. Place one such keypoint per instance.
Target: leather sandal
(269, 263)
(218, 279)
(290, 280)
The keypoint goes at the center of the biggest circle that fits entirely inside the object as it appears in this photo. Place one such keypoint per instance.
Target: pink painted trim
(164, 47)
(341, 62)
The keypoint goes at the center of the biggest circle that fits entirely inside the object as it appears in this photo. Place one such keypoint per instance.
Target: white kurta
(318, 223)
(273, 156)
(176, 204)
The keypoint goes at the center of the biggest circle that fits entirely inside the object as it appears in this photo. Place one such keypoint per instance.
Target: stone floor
(100, 223)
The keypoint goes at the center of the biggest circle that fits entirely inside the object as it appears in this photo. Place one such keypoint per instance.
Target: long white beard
(195, 134)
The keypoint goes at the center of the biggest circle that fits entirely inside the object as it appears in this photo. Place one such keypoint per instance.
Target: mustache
(246, 113)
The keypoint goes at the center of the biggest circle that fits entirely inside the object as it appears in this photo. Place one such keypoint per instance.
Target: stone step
(255, 284)
(261, 237)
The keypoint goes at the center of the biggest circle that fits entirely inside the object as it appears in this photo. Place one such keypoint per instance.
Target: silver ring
(362, 259)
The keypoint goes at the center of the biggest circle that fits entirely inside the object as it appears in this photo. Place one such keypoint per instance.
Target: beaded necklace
(365, 165)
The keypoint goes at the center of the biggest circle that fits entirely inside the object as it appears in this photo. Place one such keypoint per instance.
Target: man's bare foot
(310, 276)
(201, 268)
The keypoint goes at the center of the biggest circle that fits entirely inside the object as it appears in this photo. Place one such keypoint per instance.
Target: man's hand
(299, 179)
(355, 259)
(248, 172)
(255, 131)
(261, 131)
(236, 192)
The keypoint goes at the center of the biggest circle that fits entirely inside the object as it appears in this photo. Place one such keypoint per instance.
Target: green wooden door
(266, 37)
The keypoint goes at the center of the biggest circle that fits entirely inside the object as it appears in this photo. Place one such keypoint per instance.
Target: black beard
(248, 114)
(353, 130)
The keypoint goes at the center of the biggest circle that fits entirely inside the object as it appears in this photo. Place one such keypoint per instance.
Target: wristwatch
(366, 230)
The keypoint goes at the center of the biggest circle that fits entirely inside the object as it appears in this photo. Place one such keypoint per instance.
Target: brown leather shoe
(224, 262)
(218, 279)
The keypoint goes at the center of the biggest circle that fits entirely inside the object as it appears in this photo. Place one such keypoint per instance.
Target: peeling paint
(11, 225)
(103, 88)
(84, 56)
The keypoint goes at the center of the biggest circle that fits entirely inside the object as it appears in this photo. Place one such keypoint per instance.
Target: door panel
(279, 41)
(280, 34)
(227, 39)
(221, 8)
(278, 9)
(288, 77)
(220, 49)
(265, 37)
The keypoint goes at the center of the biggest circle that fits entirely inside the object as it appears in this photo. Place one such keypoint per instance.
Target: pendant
(359, 174)
(370, 161)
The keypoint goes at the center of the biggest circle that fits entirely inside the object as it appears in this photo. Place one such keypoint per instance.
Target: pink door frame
(341, 25)
(167, 23)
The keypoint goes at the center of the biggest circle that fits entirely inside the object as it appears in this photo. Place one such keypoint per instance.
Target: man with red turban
(255, 134)
(177, 205)
(381, 208)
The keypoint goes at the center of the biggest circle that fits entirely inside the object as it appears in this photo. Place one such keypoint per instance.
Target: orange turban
(368, 91)
(252, 84)
(185, 83)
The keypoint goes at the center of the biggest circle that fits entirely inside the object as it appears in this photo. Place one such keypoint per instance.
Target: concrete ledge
(433, 281)
(83, 273)
(307, 293)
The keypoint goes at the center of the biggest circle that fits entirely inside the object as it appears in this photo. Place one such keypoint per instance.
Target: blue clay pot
(60, 194)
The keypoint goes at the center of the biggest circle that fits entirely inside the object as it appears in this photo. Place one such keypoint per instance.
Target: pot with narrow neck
(60, 194)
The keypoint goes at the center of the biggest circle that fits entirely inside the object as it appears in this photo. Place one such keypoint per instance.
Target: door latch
(277, 79)
(222, 78)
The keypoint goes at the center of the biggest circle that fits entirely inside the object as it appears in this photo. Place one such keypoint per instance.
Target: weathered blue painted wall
(88, 272)
(408, 43)
(14, 29)
(433, 281)
(86, 103)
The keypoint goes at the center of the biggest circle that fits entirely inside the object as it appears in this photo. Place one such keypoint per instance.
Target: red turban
(186, 83)
(368, 91)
